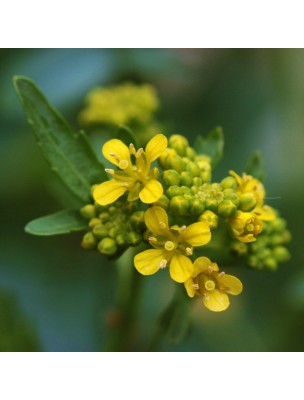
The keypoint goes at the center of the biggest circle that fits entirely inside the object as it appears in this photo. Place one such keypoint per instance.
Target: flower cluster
(179, 212)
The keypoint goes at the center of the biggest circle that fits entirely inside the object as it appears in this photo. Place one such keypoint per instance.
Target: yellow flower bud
(186, 178)
(179, 144)
(163, 202)
(210, 218)
(190, 153)
(93, 222)
(176, 162)
(211, 204)
(247, 201)
(226, 208)
(100, 231)
(281, 254)
(171, 177)
(179, 205)
(88, 211)
(193, 168)
(174, 191)
(88, 241)
(197, 206)
(229, 183)
(107, 247)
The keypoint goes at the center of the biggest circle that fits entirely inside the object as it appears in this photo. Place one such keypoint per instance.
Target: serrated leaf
(68, 153)
(60, 223)
(211, 145)
(126, 135)
(255, 166)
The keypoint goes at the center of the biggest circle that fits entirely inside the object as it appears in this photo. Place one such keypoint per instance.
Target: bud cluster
(113, 228)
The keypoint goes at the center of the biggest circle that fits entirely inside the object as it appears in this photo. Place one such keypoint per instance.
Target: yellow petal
(265, 213)
(151, 192)
(147, 262)
(230, 284)
(201, 264)
(196, 234)
(181, 268)
(118, 148)
(237, 177)
(156, 147)
(216, 301)
(156, 220)
(108, 192)
(189, 287)
(247, 238)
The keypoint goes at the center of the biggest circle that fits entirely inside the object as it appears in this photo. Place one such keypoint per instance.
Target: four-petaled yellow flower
(249, 184)
(138, 179)
(210, 284)
(245, 226)
(172, 246)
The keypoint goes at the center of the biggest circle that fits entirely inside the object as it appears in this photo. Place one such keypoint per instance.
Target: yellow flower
(247, 183)
(265, 213)
(138, 179)
(172, 246)
(210, 284)
(245, 226)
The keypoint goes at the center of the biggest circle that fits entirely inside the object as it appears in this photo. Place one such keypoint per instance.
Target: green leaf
(126, 135)
(68, 153)
(211, 145)
(60, 223)
(255, 166)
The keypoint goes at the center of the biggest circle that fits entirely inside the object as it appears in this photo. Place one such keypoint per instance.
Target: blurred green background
(56, 297)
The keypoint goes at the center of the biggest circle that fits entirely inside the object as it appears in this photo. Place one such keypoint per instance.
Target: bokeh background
(56, 297)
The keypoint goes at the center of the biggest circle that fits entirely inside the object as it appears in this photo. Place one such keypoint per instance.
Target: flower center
(169, 245)
(209, 285)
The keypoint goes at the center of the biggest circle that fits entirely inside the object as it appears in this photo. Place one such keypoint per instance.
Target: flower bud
(239, 248)
(179, 143)
(281, 254)
(137, 220)
(93, 222)
(100, 231)
(88, 211)
(206, 176)
(271, 263)
(179, 205)
(133, 238)
(230, 194)
(185, 190)
(186, 178)
(226, 208)
(279, 224)
(210, 218)
(171, 177)
(190, 153)
(245, 226)
(88, 241)
(176, 163)
(211, 204)
(247, 201)
(104, 216)
(197, 206)
(113, 232)
(162, 202)
(107, 247)
(120, 240)
(112, 210)
(197, 181)
(174, 191)
(229, 183)
(193, 168)
(164, 157)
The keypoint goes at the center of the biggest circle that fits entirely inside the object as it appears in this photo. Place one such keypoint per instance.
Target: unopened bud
(137, 220)
(226, 208)
(120, 240)
(93, 222)
(179, 205)
(165, 156)
(107, 247)
(171, 177)
(176, 162)
(179, 143)
(281, 254)
(239, 248)
(210, 218)
(174, 191)
(211, 204)
(100, 231)
(193, 168)
(229, 183)
(271, 263)
(190, 153)
(163, 202)
(247, 201)
(197, 206)
(186, 178)
(88, 241)
(133, 238)
(88, 211)
(197, 181)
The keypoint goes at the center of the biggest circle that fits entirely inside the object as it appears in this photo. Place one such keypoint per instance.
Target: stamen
(139, 152)
(189, 251)
(152, 239)
(123, 164)
(221, 274)
(210, 269)
(132, 149)
(169, 246)
(250, 227)
(163, 264)
(195, 286)
(210, 285)
(110, 171)
(182, 228)
(207, 297)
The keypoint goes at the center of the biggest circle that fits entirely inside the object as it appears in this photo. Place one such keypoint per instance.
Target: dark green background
(56, 297)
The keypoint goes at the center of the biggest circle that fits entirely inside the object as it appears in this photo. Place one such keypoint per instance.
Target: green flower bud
(264, 253)
(104, 216)
(239, 248)
(247, 202)
(194, 169)
(107, 247)
(113, 232)
(93, 222)
(271, 263)
(229, 183)
(179, 144)
(174, 191)
(279, 225)
(100, 231)
(230, 194)
(88, 241)
(88, 211)
(254, 262)
(137, 220)
(186, 178)
(190, 153)
(196, 207)
(133, 238)
(179, 205)
(176, 163)
(120, 240)
(171, 177)
(211, 204)
(226, 208)
(276, 239)
(281, 254)
(164, 158)
(186, 190)
(163, 202)
(206, 176)
(197, 181)
(210, 218)
(112, 210)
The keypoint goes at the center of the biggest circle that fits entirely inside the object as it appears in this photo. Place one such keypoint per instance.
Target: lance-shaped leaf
(60, 223)
(212, 145)
(255, 166)
(68, 153)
